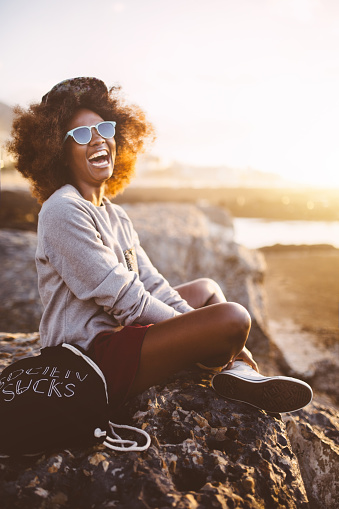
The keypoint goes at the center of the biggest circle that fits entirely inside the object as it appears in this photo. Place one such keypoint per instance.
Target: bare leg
(217, 331)
(201, 292)
(204, 292)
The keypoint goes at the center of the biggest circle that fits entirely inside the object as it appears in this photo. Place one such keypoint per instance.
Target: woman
(98, 287)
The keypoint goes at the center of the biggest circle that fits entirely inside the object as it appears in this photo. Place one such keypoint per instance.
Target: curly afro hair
(39, 131)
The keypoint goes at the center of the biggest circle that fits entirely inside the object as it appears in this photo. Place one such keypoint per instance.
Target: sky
(240, 83)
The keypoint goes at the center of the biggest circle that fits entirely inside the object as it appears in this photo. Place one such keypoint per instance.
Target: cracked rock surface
(206, 452)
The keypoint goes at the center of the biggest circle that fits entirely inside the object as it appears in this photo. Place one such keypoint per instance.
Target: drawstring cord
(109, 441)
(133, 445)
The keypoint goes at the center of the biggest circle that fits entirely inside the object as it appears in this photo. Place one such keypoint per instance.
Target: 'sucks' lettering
(41, 380)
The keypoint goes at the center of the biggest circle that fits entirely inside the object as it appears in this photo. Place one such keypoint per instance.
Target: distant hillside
(6, 118)
(275, 203)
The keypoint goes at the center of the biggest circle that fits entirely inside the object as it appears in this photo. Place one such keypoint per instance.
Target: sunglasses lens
(82, 135)
(106, 129)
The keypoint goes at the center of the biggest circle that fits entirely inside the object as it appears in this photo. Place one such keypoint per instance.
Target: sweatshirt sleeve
(155, 283)
(91, 270)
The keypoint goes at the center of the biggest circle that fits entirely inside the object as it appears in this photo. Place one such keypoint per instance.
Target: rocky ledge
(206, 452)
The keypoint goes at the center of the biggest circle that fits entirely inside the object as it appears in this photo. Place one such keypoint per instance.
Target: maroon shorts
(118, 354)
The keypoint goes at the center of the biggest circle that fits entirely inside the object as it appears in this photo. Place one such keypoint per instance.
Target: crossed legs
(215, 330)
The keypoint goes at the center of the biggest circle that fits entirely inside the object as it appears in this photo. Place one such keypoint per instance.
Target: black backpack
(55, 400)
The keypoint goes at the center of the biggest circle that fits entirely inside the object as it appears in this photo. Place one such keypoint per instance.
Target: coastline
(272, 203)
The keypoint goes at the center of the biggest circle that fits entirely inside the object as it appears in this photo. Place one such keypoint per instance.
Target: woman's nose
(96, 138)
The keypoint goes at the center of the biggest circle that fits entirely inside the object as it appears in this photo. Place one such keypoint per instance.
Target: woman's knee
(208, 284)
(235, 321)
(201, 292)
(211, 291)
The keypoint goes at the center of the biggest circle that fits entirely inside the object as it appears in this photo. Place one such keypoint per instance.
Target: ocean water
(255, 233)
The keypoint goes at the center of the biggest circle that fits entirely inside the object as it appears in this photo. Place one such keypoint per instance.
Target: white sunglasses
(83, 134)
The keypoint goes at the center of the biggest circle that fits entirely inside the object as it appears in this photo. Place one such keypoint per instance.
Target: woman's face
(92, 164)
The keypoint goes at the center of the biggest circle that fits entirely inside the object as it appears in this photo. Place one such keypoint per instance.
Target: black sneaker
(275, 394)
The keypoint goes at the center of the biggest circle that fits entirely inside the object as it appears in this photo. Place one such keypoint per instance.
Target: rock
(206, 452)
(19, 209)
(21, 308)
(314, 436)
(326, 378)
(183, 244)
(306, 357)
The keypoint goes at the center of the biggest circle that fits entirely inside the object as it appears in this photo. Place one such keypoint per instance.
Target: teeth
(98, 154)
(100, 165)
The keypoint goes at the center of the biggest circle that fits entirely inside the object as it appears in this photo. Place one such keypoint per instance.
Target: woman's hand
(246, 356)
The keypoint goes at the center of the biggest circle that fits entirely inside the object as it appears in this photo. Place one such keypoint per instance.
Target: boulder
(21, 308)
(184, 242)
(314, 437)
(19, 210)
(206, 452)
(326, 378)
(312, 357)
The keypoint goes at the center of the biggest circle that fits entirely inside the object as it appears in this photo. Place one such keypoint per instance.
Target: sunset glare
(245, 84)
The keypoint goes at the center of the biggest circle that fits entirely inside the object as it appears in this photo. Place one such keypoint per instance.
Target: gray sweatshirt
(93, 274)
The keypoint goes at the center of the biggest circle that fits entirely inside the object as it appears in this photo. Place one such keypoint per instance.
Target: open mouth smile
(100, 159)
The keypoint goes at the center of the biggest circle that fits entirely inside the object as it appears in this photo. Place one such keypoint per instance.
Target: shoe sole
(276, 395)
